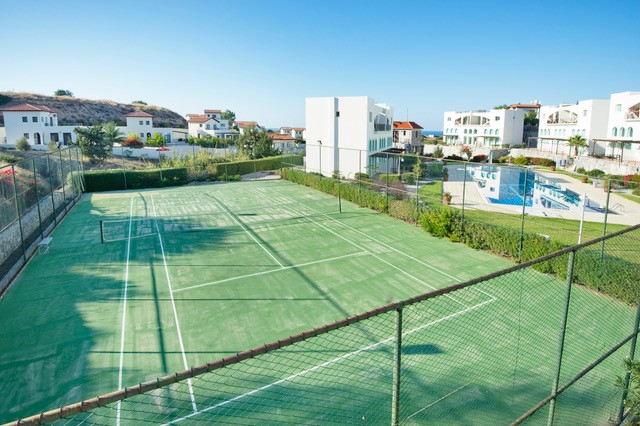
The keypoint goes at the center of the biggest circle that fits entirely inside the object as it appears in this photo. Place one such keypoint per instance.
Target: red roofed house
(407, 136)
(285, 143)
(38, 124)
(210, 123)
(140, 123)
(296, 132)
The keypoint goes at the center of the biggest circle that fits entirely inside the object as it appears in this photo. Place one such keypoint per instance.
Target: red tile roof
(529, 106)
(139, 114)
(297, 129)
(406, 125)
(212, 111)
(245, 124)
(199, 119)
(279, 137)
(28, 107)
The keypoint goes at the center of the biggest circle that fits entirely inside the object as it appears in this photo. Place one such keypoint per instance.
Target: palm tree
(576, 142)
(112, 134)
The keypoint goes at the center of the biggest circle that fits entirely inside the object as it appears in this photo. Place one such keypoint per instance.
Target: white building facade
(37, 124)
(407, 136)
(347, 135)
(296, 132)
(623, 130)
(587, 118)
(209, 124)
(494, 128)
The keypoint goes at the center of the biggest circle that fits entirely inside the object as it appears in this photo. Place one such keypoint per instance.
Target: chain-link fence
(518, 345)
(36, 192)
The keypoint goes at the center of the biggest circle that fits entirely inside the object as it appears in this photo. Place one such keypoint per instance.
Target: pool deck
(625, 212)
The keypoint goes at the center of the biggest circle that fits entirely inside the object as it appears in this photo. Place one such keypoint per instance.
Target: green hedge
(251, 166)
(113, 180)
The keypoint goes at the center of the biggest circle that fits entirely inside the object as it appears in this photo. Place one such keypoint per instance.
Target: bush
(454, 157)
(22, 144)
(156, 141)
(111, 180)
(388, 178)
(438, 152)
(9, 158)
(636, 192)
(362, 176)
(480, 158)
(631, 181)
(595, 173)
(537, 161)
(408, 178)
(521, 160)
(133, 142)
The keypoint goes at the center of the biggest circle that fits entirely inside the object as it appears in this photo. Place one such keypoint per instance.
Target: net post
(387, 186)
(397, 360)
(632, 354)
(18, 214)
(101, 232)
(524, 205)
(563, 332)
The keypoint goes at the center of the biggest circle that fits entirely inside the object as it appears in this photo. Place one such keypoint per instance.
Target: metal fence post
(339, 196)
(417, 198)
(64, 195)
(464, 187)
(15, 199)
(35, 186)
(632, 354)
(524, 205)
(53, 200)
(387, 185)
(397, 359)
(606, 215)
(563, 332)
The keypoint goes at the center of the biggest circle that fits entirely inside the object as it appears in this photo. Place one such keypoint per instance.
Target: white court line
(362, 253)
(175, 312)
(248, 233)
(458, 279)
(124, 311)
(332, 361)
(374, 255)
(438, 400)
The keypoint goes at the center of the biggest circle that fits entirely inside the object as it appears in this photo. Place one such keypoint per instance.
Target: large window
(622, 132)
(25, 119)
(34, 119)
(630, 132)
(381, 123)
(614, 132)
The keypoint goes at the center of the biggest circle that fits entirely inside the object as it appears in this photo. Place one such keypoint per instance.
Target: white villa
(285, 143)
(296, 132)
(39, 125)
(623, 130)
(244, 125)
(210, 123)
(494, 128)
(407, 136)
(558, 123)
(348, 135)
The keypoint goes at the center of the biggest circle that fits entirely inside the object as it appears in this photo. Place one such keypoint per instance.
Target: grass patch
(431, 192)
(629, 197)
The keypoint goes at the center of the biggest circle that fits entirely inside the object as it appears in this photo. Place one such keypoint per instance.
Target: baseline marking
(376, 256)
(175, 312)
(245, 230)
(438, 400)
(124, 311)
(332, 361)
(362, 253)
(380, 242)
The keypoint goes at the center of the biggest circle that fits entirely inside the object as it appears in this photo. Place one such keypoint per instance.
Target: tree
(438, 152)
(22, 144)
(417, 168)
(93, 143)
(503, 106)
(256, 143)
(139, 102)
(531, 118)
(466, 150)
(228, 115)
(112, 133)
(576, 142)
(62, 92)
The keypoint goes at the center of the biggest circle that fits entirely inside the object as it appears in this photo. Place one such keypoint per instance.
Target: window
(497, 131)
(584, 112)
(26, 135)
(614, 132)
(147, 122)
(141, 122)
(622, 132)
(448, 118)
(370, 116)
(618, 107)
(404, 133)
(142, 135)
(25, 119)
(465, 132)
(337, 114)
(630, 132)
(497, 118)
(66, 138)
(475, 131)
(201, 125)
(208, 127)
(54, 137)
(34, 119)
(221, 125)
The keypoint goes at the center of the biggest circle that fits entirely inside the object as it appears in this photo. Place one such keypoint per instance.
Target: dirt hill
(73, 111)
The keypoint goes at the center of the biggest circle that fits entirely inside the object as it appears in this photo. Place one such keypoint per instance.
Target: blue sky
(261, 59)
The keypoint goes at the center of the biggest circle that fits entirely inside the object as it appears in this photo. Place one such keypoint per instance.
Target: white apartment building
(38, 124)
(558, 123)
(494, 128)
(623, 130)
(210, 123)
(347, 135)
(407, 136)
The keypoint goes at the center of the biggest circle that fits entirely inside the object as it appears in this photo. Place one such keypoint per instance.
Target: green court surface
(193, 274)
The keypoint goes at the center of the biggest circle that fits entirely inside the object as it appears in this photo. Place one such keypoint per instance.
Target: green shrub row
(251, 166)
(118, 179)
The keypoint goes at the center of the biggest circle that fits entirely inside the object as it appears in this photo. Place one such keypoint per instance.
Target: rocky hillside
(73, 111)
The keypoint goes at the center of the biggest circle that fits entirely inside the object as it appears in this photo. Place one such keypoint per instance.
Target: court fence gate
(438, 357)
(35, 194)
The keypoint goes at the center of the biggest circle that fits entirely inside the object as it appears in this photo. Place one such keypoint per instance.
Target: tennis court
(193, 274)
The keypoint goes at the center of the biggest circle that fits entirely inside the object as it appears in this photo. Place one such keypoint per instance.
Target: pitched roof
(199, 119)
(138, 114)
(28, 107)
(212, 111)
(406, 125)
(297, 129)
(278, 136)
(245, 124)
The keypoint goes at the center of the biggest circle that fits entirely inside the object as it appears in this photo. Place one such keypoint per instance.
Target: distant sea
(432, 132)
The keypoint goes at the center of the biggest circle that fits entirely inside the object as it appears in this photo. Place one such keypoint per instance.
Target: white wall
(620, 104)
(496, 127)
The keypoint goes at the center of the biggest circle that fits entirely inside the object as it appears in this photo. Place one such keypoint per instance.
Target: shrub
(133, 141)
(521, 160)
(156, 141)
(408, 178)
(435, 169)
(480, 158)
(362, 176)
(636, 192)
(22, 144)
(454, 157)
(388, 178)
(9, 158)
(631, 181)
(537, 161)
(110, 180)
(595, 173)
(438, 152)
